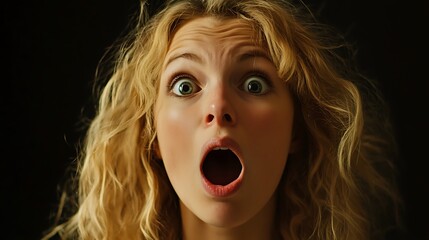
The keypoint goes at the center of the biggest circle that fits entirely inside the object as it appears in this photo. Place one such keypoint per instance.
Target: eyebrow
(253, 54)
(242, 57)
(189, 56)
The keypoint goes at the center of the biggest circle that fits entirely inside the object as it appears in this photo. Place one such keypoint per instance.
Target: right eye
(184, 86)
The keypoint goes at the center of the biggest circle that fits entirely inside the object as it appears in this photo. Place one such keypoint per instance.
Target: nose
(220, 110)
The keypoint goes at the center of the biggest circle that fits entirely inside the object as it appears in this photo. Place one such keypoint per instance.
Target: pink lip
(221, 191)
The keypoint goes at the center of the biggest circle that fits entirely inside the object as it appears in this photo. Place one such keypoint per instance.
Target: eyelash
(177, 77)
(258, 73)
(253, 73)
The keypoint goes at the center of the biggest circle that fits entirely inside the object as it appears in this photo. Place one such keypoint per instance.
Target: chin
(224, 215)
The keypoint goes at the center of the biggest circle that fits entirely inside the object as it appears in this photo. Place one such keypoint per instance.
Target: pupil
(185, 88)
(254, 87)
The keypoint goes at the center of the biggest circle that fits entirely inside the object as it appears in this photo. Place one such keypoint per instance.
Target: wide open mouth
(221, 166)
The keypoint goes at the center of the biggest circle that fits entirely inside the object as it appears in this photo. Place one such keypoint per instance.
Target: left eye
(184, 86)
(256, 85)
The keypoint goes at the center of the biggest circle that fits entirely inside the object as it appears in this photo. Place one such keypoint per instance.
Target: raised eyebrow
(254, 53)
(189, 56)
(243, 57)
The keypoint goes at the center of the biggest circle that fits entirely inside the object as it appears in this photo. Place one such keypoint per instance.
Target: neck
(261, 226)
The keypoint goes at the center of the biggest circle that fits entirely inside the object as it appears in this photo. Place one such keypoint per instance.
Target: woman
(229, 119)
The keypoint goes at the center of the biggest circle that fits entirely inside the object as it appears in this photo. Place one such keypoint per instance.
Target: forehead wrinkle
(231, 36)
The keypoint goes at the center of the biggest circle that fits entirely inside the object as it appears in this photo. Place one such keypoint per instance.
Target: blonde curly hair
(340, 185)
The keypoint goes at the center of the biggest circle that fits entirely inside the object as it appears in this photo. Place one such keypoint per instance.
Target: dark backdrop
(50, 52)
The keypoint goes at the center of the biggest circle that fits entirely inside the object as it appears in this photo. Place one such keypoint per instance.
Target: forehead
(208, 30)
(216, 25)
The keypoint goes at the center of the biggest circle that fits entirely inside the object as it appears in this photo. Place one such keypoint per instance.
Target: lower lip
(221, 191)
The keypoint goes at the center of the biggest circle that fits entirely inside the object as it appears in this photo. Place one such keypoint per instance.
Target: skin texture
(215, 61)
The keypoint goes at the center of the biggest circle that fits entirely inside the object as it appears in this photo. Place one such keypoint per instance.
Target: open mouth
(221, 166)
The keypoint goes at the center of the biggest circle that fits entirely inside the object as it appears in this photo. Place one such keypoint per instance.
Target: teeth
(220, 148)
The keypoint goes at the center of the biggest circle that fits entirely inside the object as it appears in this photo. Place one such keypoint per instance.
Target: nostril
(227, 117)
(210, 118)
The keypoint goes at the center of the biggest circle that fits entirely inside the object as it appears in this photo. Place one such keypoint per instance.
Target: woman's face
(224, 122)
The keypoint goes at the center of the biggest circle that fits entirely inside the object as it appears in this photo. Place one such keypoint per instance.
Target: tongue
(221, 167)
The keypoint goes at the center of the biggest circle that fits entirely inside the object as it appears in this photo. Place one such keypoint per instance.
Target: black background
(51, 49)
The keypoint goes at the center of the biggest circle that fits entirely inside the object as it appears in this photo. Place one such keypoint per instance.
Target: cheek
(270, 137)
(174, 131)
(271, 123)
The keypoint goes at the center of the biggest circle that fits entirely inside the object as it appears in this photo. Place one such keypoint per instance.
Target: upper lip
(224, 142)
